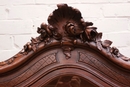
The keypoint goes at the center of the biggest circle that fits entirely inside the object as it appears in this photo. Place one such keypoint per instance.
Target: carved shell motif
(66, 24)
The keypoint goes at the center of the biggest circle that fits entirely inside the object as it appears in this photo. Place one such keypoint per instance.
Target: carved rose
(72, 29)
(91, 32)
(45, 29)
(115, 51)
(27, 47)
(41, 31)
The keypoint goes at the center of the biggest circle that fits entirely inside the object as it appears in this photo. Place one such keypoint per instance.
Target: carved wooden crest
(67, 29)
(66, 25)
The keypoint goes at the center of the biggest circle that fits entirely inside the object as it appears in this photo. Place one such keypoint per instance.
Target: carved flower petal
(99, 46)
(99, 36)
(43, 25)
(88, 23)
(34, 47)
(57, 36)
(91, 33)
(106, 43)
(91, 27)
(49, 31)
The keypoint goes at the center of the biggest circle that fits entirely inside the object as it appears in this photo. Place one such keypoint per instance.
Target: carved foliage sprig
(47, 33)
(7, 62)
(115, 52)
(67, 25)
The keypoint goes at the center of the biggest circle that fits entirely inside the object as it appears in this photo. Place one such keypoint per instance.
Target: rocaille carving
(67, 51)
(66, 24)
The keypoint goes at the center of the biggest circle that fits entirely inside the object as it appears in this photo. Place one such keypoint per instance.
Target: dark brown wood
(68, 52)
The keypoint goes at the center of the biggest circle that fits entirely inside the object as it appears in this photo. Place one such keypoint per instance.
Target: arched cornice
(66, 28)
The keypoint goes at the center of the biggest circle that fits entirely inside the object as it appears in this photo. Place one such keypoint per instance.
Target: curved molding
(66, 28)
(69, 71)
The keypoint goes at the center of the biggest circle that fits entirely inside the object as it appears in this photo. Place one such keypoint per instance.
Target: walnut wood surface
(68, 52)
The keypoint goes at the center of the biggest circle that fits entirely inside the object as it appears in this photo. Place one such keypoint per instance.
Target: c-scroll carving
(66, 25)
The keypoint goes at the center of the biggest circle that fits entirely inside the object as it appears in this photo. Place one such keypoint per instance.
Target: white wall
(19, 20)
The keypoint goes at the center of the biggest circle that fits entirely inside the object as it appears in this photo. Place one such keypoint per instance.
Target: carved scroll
(67, 28)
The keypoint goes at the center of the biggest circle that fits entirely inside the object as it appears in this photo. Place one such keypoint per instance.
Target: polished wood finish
(68, 52)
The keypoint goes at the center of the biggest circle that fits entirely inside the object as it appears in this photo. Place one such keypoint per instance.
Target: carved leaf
(125, 58)
(106, 43)
(98, 41)
(9, 61)
(34, 47)
(87, 24)
(34, 40)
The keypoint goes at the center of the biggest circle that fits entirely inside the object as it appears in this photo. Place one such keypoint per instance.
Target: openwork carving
(67, 25)
(67, 29)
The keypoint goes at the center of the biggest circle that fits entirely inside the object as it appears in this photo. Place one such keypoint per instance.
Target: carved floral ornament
(66, 25)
